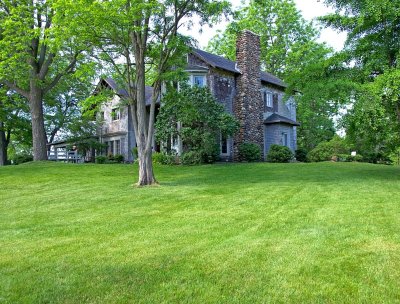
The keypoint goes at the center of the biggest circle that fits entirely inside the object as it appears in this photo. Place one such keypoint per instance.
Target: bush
(377, 158)
(191, 158)
(163, 158)
(250, 152)
(328, 150)
(135, 153)
(22, 158)
(301, 155)
(279, 154)
(101, 159)
(119, 158)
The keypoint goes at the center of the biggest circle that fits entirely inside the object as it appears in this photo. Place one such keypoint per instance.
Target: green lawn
(244, 233)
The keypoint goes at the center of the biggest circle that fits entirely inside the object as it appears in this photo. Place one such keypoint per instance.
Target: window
(199, 80)
(115, 114)
(268, 100)
(285, 141)
(224, 144)
(117, 147)
(110, 148)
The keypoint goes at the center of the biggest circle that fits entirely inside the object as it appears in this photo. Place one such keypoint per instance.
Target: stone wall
(248, 105)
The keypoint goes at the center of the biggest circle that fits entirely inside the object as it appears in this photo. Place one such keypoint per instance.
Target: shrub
(301, 155)
(22, 158)
(135, 153)
(377, 158)
(163, 158)
(101, 159)
(119, 158)
(191, 158)
(250, 152)
(327, 150)
(279, 154)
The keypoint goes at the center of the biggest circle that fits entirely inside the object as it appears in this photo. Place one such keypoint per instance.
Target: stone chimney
(248, 104)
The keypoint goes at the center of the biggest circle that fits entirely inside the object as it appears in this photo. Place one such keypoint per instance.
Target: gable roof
(124, 93)
(276, 118)
(229, 65)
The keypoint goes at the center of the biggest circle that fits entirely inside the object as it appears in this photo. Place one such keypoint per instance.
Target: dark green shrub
(250, 152)
(301, 155)
(377, 158)
(22, 158)
(279, 154)
(327, 150)
(119, 158)
(163, 158)
(191, 158)
(101, 159)
(358, 158)
(135, 153)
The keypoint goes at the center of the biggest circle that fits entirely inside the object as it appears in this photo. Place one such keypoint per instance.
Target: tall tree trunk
(3, 145)
(38, 131)
(146, 174)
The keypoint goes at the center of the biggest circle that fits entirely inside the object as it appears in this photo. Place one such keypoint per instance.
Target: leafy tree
(36, 51)
(14, 123)
(372, 49)
(195, 116)
(142, 34)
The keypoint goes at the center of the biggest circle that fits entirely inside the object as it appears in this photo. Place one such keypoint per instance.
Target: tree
(36, 51)
(14, 122)
(195, 116)
(372, 48)
(144, 34)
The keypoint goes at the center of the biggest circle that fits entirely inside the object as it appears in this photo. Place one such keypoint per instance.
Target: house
(254, 97)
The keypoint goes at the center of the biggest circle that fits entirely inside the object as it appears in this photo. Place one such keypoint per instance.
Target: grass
(244, 233)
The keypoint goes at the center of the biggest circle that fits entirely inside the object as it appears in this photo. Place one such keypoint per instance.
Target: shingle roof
(229, 65)
(123, 93)
(276, 118)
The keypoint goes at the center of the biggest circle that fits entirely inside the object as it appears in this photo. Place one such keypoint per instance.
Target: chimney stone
(248, 103)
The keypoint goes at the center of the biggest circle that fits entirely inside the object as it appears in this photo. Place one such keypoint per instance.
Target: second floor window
(199, 80)
(115, 114)
(268, 99)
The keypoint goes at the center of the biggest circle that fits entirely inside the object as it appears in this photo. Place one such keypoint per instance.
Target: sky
(310, 10)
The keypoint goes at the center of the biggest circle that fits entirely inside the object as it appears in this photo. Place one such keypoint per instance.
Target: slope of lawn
(226, 233)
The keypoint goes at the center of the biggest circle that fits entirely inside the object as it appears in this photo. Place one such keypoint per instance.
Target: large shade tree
(138, 36)
(36, 51)
(372, 52)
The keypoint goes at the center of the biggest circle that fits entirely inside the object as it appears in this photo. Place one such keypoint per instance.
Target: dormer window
(268, 100)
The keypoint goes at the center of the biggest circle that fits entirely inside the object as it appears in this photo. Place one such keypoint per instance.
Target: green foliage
(250, 152)
(372, 48)
(279, 154)
(21, 158)
(163, 158)
(192, 158)
(135, 153)
(101, 159)
(197, 118)
(119, 158)
(301, 155)
(326, 150)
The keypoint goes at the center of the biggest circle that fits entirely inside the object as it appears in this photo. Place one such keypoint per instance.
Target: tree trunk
(38, 131)
(3, 146)
(146, 174)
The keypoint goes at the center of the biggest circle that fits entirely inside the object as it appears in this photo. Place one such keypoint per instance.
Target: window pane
(224, 144)
(198, 81)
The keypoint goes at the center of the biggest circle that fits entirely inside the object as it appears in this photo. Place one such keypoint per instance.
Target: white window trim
(192, 76)
(227, 146)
